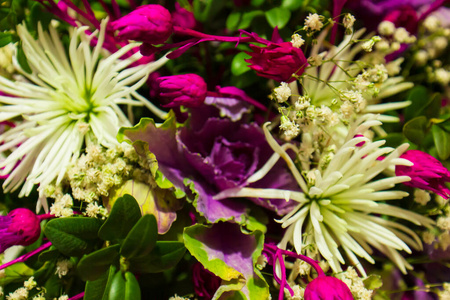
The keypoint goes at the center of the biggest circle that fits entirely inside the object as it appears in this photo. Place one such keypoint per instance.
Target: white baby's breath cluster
(391, 37)
(313, 22)
(62, 267)
(356, 284)
(282, 93)
(297, 40)
(95, 173)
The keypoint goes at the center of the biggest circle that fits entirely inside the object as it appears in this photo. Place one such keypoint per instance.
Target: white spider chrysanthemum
(340, 206)
(70, 99)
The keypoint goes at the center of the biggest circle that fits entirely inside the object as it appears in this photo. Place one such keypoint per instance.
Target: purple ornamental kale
(214, 154)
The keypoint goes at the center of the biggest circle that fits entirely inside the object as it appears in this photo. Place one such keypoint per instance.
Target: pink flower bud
(277, 61)
(427, 173)
(183, 18)
(20, 227)
(150, 23)
(327, 288)
(188, 90)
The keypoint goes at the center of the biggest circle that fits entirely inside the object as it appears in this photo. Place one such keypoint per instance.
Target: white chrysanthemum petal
(70, 99)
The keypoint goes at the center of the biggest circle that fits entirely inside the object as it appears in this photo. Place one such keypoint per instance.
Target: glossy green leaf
(433, 107)
(5, 38)
(239, 65)
(93, 265)
(156, 201)
(124, 287)
(419, 99)
(257, 2)
(415, 129)
(233, 20)
(278, 17)
(442, 141)
(117, 288)
(73, 236)
(16, 273)
(248, 17)
(165, 255)
(373, 282)
(141, 240)
(98, 289)
(291, 4)
(124, 215)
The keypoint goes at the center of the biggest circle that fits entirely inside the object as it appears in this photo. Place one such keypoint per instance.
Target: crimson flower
(20, 227)
(150, 23)
(186, 89)
(427, 173)
(278, 61)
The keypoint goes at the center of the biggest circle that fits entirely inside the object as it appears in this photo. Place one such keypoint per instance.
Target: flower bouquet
(214, 149)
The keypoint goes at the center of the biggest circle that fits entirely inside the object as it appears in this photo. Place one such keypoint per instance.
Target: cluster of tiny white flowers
(19, 294)
(392, 37)
(63, 267)
(30, 283)
(421, 196)
(445, 293)
(368, 45)
(95, 173)
(299, 293)
(282, 93)
(93, 210)
(348, 22)
(62, 207)
(313, 22)
(297, 40)
(176, 297)
(355, 284)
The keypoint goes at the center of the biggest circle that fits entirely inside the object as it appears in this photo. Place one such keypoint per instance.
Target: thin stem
(24, 258)
(76, 297)
(45, 216)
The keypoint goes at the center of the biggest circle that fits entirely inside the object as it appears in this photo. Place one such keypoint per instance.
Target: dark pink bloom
(405, 16)
(427, 172)
(205, 282)
(183, 18)
(327, 288)
(278, 61)
(150, 23)
(20, 227)
(187, 89)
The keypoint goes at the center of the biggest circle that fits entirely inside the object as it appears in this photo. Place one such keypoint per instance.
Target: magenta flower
(183, 18)
(427, 173)
(278, 61)
(405, 16)
(205, 282)
(20, 227)
(150, 23)
(327, 288)
(187, 89)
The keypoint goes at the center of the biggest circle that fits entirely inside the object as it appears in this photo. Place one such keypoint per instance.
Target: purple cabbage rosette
(209, 155)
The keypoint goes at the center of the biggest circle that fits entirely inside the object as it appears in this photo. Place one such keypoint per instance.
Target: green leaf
(22, 59)
(433, 107)
(51, 254)
(291, 4)
(278, 16)
(419, 99)
(141, 240)
(97, 289)
(16, 273)
(124, 288)
(5, 38)
(233, 20)
(257, 3)
(248, 17)
(156, 201)
(373, 282)
(124, 215)
(73, 236)
(93, 265)
(165, 255)
(239, 65)
(415, 129)
(442, 141)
